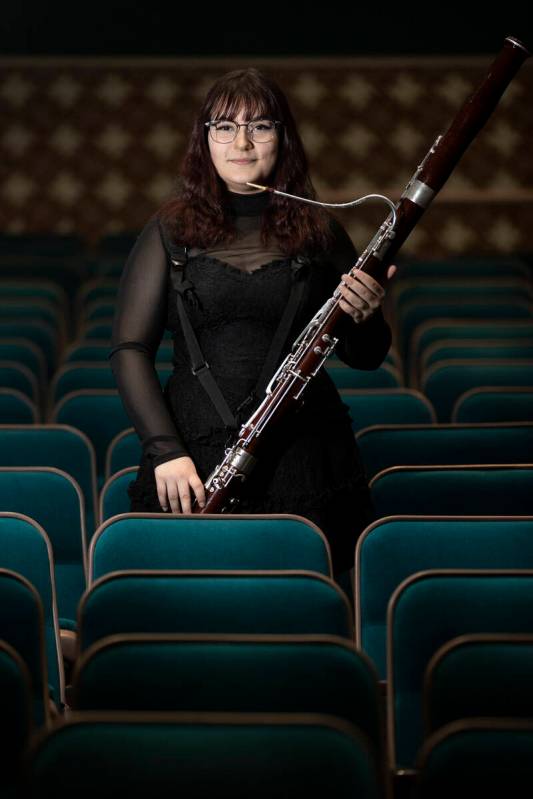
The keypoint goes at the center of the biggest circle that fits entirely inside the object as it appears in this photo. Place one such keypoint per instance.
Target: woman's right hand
(174, 480)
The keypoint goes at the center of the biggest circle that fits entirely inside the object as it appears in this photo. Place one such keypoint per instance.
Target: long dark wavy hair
(199, 214)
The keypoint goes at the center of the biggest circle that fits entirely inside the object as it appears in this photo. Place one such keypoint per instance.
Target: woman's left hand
(362, 295)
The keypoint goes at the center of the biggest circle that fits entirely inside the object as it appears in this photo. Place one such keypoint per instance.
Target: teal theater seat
(35, 310)
(21, 378)
(41, 334)
(213, 602)
(97, 288)
(490, 310)
(26, 550)
(387, 406)
(97, 330)
(16, 408)
(433, 607)
(494, 404)
(231, 673)
(80, 375)
(432, 332)
(99, 413)
(17, 717)
(458, 348)
(385, 376)
(461, 266)
(223, 755)
(479, 675)
(123, 451)
(60, 446)
(54, 500)
(445, 381)
(437, 490)
(114, 497)
(383, 446)
(32, 289)
(22, 628)
(208, 541)
(24, 352)
(454, 288)
(483, 757)
(391, 550)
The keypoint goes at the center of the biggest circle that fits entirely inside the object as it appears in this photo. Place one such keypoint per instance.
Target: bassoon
(317, 341)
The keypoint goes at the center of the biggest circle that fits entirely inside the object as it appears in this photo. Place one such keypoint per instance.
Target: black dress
(311, 466)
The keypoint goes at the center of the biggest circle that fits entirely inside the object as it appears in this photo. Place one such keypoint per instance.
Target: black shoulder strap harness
(178, 256)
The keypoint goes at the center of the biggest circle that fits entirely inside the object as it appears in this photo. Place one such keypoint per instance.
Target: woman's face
(244, 159)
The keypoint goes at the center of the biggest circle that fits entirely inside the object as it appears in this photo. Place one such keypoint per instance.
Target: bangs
(227, 106)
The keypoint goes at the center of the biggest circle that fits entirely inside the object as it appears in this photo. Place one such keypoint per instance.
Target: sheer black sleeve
(363, 345)
(138, 328)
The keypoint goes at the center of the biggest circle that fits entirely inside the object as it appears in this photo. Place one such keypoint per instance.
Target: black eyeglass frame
(209, 124)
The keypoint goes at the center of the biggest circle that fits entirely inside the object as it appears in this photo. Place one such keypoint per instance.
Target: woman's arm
(138, 327)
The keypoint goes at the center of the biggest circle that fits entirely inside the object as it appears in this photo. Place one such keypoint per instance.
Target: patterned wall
(92, 146)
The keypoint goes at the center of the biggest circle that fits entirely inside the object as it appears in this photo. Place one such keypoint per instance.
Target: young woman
(247, 260)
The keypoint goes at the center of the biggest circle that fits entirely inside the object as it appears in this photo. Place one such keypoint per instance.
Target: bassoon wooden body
(317, 341)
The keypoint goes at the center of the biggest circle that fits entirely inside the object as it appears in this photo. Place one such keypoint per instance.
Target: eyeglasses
(224, 131)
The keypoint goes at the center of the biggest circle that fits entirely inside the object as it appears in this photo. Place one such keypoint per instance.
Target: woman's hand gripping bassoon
(362, 295)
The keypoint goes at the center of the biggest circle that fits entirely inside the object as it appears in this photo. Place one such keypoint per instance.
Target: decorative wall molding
(93, 145)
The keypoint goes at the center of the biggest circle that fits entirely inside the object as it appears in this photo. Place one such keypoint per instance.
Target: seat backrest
(32, 289)
(482, 489)
(114, 497)
(237, 673)
(99, 413)
(387, 406)
(427, 333)
(479, 675)
(96, 288)
(53, 499)
(382, 446)
(16, 719)
(385, 376)
(477, 757)
(26, 352)
(504, 306)
(22, 628)
(60, 446)
(390, 550)
(40, 333)
(445, 381)
(26, 550)
(494, 404)
(465, 266)
(35, 310)
(453, 289)
(430, 608)
(208, 541)
(20, 377)
(124, 450)
(17, 408)
(81, 375)
(223, 755)
(449, 349)
(213, 602)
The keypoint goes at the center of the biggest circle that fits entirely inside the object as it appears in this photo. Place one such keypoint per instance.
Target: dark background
(259, 28)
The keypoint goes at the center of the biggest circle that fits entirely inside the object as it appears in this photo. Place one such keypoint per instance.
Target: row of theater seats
(462, 351)
(236, 615)
(462, 389)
